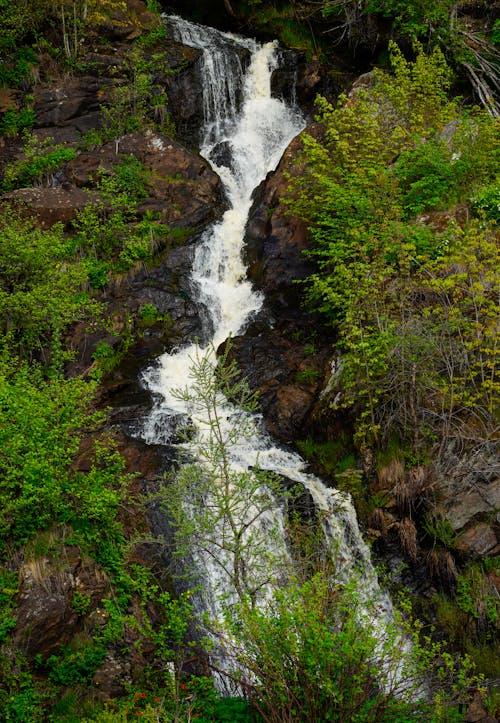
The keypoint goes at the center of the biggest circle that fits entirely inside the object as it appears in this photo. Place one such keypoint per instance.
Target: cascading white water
(256, 133)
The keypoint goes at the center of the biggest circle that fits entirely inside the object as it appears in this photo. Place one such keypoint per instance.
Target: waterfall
(254, 129)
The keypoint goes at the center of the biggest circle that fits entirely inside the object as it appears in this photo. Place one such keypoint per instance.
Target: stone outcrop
(275, 241)
(48, 205)
(288, 374)
(48, 615)
(182, 189)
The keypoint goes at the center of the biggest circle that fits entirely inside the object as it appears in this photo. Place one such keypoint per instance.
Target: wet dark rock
(284, 78)
(72, 98)
(185, 93)
(165, 287)
(221, 154)
(287, 376)
(275, 241)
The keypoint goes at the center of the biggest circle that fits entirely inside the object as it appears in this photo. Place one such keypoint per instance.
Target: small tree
(219, 510)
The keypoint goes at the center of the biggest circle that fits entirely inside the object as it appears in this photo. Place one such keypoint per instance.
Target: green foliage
(42, 423)
(213, 506)
(476, 598)
(39, 421)
(18, 67)
(138, 103)
(8, 591)
(20, 698)
(307, 376)
(415, 18)
(36, 167)
(495, 33)
(487, 202)
(14, 121)
(440, 530)
(149, 314)
(41, 286)
(70, 667)
(81, 603)
(313, 656)
(361, 193)
(131, 177)
(109, 233)
(427, 177)
(331, 456)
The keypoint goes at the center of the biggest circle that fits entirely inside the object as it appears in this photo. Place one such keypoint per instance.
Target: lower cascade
(254, 128)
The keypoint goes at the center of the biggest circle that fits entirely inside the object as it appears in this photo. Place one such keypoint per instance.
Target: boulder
(479, 541)
(286, 374)
(72, 98)
(49, 205)
(47, 617)
(123, 21)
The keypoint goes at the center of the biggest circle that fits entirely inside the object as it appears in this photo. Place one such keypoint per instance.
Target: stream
(245, 132)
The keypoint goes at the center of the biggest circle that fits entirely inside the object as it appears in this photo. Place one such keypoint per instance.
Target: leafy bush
(18, 67)
(14, 121)
(37, 166)
(487, 202)
(70, 667)
(40, 285)
(315, 654)
(427, 177)
(382, 276)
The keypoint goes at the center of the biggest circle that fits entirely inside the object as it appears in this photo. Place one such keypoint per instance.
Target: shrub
(316, 654)
(37, 166)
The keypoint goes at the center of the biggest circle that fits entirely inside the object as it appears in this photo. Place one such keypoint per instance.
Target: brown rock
(480, 540)
(275, 240)
(467, 504)
(77, 96)
(476, 712)
(49, 205)
(113, 676)
(8, 99)
(46, 618)
(291, 409)
(183, 188)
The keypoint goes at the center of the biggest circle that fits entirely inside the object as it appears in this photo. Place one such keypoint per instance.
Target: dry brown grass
(41, 572)
(391, 473)
(380, 521)
(408, 538)
(441, 566)
(414, 489)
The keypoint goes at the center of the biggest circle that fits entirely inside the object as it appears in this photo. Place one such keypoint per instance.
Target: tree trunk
(227, 5)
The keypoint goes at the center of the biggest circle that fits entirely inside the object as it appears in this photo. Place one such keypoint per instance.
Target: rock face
(468, 483)
(275, 241)
(288, 374)
(73, 105)
(48, 615)
(182, 189)
(184, 92)
(49, 205)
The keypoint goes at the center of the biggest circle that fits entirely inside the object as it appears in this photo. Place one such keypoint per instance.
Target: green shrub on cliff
(38, 164)
(413, 301)
(41, 286)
